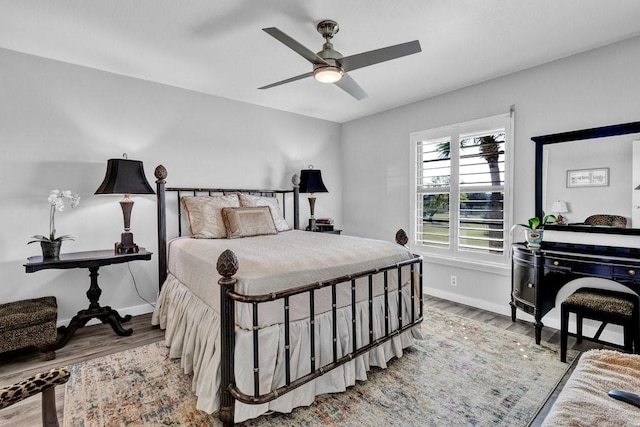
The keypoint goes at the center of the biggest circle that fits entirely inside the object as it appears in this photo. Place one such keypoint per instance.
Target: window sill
(487, 267)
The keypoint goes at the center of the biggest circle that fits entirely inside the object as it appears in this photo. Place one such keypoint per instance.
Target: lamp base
(312, 225)
(126, 245)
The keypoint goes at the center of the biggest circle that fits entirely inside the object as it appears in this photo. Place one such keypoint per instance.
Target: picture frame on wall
(595, 177)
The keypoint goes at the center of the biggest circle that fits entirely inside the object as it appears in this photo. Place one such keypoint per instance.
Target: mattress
(288, 259)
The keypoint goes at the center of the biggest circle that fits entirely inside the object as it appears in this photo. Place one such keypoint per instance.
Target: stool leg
(635, 327)
(49, 351)
(564, 330)
(579, 319)
(628, 336)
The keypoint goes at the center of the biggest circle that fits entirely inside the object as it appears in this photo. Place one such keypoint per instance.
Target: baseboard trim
(473, 302)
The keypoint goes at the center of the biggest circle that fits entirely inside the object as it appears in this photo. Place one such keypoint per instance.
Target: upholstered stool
(606, 306)
(29, 323)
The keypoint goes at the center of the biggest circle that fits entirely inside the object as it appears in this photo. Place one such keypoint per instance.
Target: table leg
(105, 314)
(538, 325)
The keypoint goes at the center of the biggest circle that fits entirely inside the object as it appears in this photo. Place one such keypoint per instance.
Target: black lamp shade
(311, 181)
(124, 177)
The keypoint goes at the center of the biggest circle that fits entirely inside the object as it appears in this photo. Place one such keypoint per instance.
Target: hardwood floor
(87, 343)
(99, 340)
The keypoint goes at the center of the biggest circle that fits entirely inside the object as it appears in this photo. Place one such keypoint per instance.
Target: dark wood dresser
(538, 275)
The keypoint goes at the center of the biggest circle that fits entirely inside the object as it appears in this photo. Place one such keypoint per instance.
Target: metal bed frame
(227, 266)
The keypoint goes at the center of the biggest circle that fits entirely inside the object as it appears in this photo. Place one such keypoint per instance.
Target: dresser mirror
(590, 172)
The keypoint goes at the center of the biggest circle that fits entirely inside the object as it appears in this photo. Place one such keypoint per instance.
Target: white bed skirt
(193, 335)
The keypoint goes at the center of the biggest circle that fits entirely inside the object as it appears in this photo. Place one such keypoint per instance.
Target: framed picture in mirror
(597, 177)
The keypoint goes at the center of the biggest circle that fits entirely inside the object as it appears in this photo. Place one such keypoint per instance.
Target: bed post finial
(227, 266)
(160, 173)
(401, 237)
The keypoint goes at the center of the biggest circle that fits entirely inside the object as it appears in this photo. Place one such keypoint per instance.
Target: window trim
(454, 131)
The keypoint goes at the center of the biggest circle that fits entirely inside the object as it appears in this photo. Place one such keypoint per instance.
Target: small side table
(92, 260)
(321, 227)
(334, 231)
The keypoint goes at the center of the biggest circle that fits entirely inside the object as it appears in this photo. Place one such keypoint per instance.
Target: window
(461, 189)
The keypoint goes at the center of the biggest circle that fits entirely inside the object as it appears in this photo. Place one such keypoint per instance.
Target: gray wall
(59, 123)
(596, 88)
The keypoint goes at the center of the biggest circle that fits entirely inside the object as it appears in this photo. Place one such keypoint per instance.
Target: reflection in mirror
(591, 177)
(590, 172)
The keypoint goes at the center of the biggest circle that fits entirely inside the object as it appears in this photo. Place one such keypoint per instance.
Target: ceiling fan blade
(292, 79)
(353, 62)
(294, 45)
(350, 86)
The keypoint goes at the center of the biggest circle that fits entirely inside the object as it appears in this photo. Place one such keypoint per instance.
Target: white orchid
(56, 202)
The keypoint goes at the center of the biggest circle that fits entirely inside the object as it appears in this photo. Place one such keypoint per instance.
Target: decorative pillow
(245, 222)
(204, 214)
(247, 200)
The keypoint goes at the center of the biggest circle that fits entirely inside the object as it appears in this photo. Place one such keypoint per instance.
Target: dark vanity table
(92, 260)
(538, 275)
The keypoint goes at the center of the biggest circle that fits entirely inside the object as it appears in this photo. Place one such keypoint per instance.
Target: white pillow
(247, 200)
(204, 214)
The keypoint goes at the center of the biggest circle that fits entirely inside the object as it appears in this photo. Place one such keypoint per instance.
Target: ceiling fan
(329, 66)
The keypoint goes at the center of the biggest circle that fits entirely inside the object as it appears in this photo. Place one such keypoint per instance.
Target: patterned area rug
(464, 373)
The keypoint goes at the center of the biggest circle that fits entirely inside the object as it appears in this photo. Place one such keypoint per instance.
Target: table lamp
(311, 182)
(125, 177)
(559, 208)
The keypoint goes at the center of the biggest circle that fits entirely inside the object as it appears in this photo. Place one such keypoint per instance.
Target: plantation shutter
(481, 189)
(460, 190)
(433, 193)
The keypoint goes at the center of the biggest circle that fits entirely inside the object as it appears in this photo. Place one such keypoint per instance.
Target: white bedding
(272, 263)
(190, 313)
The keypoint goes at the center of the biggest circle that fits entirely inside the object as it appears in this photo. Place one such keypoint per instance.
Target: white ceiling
(217, 47)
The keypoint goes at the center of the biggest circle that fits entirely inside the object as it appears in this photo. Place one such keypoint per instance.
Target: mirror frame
(576, 135)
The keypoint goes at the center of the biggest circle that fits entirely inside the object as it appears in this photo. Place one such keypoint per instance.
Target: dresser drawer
(580, 267)
(626, 274)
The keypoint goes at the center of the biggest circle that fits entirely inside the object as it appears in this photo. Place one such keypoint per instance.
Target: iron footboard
(227, 267)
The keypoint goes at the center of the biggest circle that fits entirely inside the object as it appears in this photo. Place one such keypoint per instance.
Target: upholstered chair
(44, 383)
(615, 221)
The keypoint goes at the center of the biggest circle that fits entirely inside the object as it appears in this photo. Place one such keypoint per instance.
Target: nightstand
(334, 231)
(322, 228)
(92, 260)
(328, 231)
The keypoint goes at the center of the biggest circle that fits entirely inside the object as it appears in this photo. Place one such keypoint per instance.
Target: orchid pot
(51, 250)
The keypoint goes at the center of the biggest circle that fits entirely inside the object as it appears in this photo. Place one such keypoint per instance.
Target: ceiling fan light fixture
(328, 74)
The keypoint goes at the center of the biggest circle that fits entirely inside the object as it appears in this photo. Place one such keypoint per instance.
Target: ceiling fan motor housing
(328, 29)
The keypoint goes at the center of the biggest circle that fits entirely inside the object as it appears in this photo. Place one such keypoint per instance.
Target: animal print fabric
(32, 386)
(607, 220)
